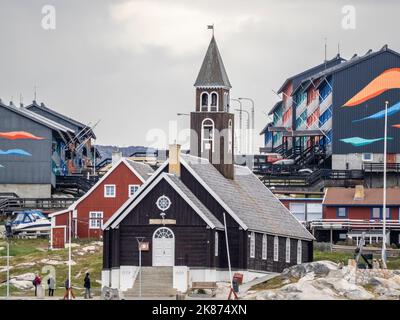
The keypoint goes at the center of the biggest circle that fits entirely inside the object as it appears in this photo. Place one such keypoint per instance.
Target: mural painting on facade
(15, 152)
(16, 135)
(389, 79)
(359, 142)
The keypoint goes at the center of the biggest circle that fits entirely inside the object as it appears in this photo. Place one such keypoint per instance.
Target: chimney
(116, 156)
(174, 163)
(359, 193)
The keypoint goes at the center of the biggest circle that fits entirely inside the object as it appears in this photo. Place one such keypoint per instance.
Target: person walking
(86, 284)
(67, 290)
(51, 284)
(36, 282)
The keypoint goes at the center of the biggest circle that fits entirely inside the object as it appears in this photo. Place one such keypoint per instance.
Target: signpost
(142, 246)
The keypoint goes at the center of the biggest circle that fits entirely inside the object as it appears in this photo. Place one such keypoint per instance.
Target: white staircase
(156, 282)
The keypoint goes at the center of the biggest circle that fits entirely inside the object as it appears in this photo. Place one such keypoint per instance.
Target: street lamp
(384, 190)
(139, 241)
(248, 129)
(252, 121)
(240, 122)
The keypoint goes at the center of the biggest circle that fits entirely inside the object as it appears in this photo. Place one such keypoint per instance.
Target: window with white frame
(216, 244)
(298, 210)
(314, 211)
(207, 134)
(299, 251)
(376, 213)
(204, 101)
(264, 247)
(230, 136)
(132, 189)
(109, 191)
(287, 250)
(252, 245)
(276, 248)
(214, 101)
(95, 219)
(367, 157)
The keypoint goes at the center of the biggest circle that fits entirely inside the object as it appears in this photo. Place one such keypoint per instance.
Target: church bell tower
(212, 124)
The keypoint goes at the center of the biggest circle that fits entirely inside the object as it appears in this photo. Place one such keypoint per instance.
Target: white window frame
(208, 140)
(293, 208)
(287, 250)
(299, 251)
(264, 247)
(210, 102)
(276, 248)
(216, 244)
(130, 194)
(252, 245)
(94, 218)
(110, 195)
(230, 138)
(368, 160)
(201, 101)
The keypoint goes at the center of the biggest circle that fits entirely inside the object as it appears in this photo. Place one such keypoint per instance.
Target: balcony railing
(300, 108)
(326, 103)
(378, 167)
(352, 224)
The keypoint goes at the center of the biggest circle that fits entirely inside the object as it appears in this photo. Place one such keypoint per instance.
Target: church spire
(212, 72)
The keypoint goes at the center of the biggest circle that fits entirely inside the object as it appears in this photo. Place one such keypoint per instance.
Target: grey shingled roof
(143, 169)
(212, 72)
(252, 202)
(178, 182)
(38, 118)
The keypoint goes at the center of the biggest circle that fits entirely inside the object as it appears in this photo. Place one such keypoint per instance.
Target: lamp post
(139, 241)
(248, 129)
(8, 267)
(69, 255)
(240, 123)
(252, 121)
(384, 190)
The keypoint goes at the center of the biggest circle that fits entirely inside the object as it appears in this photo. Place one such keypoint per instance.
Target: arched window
(287, 250)
(299, 251)
(207, 134)
(276, 248)
(216, 244)
(252, 245)
(264, 247)
(214, 101)
(204, 101)
(230, 134)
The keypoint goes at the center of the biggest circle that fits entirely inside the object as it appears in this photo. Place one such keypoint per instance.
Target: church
(199, 213)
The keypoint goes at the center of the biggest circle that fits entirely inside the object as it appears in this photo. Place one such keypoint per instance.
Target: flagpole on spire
(211, 26)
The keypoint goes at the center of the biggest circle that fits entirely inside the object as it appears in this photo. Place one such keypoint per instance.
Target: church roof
(212, 72)
(248, 200)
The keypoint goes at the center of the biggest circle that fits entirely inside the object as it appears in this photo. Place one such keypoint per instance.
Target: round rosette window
(163, 203)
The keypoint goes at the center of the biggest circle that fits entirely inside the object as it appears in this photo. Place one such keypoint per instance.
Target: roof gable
(182, 190)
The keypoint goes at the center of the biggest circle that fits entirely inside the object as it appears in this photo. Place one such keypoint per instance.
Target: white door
(163, 247)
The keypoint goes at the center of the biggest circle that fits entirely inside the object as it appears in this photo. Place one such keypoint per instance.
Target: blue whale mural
(15, 152)
(381, 114)
(359, 142)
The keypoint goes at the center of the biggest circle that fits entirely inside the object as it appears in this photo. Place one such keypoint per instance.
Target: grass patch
(274, 283)
(36, 250)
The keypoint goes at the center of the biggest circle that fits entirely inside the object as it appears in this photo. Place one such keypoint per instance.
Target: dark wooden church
(181, 211)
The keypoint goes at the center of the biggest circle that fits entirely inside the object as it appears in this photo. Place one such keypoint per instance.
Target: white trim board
(144, 193)
(130, 200)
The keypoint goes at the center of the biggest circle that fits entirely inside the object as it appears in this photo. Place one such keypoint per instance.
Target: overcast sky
(132, 63)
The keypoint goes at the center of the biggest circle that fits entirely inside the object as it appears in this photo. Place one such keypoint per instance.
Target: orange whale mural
(389, 79)
(15, 135)
(396, 126)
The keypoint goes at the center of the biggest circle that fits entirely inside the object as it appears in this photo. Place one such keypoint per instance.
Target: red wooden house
(99, 203)
(348, 212)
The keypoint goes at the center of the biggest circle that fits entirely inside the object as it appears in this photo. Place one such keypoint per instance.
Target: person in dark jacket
(87, 286)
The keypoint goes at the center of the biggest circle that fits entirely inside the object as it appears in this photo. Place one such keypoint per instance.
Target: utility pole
(384, 190)
(139, 241)
(252, 122)
(240, 124)
(69, 255)
(8, 267)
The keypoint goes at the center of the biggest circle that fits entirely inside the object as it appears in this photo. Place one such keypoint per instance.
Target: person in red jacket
(37, 282)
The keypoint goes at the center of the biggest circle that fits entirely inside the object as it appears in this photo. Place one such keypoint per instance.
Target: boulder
(319, 268)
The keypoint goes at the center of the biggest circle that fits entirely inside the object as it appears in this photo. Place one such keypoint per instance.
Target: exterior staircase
(156, 282)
